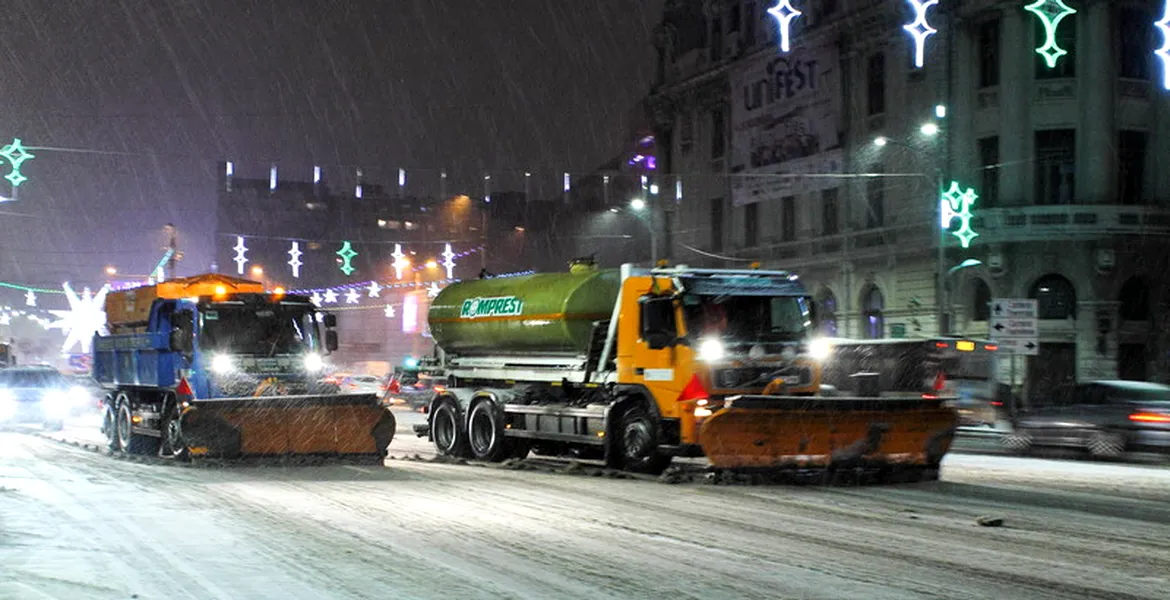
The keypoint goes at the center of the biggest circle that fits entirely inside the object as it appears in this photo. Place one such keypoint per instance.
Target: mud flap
(327, 425)
(819, 432)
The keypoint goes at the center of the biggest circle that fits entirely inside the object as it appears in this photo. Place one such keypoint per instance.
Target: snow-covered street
(75, 523)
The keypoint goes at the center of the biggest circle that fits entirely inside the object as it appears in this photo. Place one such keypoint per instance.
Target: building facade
(830, 160)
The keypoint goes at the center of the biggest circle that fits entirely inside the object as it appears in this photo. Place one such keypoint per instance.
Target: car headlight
(314, 362)
(710, 349)
(222, 363)
(820, 349)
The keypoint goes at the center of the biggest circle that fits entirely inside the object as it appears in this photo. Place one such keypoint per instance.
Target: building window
(1135, 36)
(989, 171)
(1131, 166)
(717, 39)
(751, 224)
(733, 18)
(1055, 297)
(717, 134)
(1066, 38)
(686, 132)
(1135, 300)
(827, 313)
(988, 38)
(873, 305)
(875, 84)
(788, 218)
(830, 212)
(716, 221)
(981, 310)
(1055, 166)
(875, 192)
(750, 21)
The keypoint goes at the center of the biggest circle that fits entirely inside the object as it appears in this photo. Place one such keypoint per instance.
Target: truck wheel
(637, 443)
(448, 432)
(485, 433)
(173, 445)
(128, 441)
(109, 424)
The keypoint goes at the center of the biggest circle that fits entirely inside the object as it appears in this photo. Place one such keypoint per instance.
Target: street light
(111, 271)
(638, 204)
(970, 262)
(929, 129)
(880, 141)
(257, 271)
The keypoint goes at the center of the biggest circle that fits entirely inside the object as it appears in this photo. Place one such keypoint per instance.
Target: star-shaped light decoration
(433, 290)
(956, 204)
(15, 154)
(373, 289)
(1050, 13)
(351, 297)
(449, 261)
(1164, 52)
(347, 254)
(7, 320)
(330, 297)
(785, 13)
(400, 261)
(30, 298)
(315, 298)
(85, 317)
(241, 250)
(389, 311)
(919, 29)
(294, 260)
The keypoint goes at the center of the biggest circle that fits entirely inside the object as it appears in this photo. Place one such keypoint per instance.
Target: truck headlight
(314, 362)
(820, 348)
(222, 363)
(710, 350)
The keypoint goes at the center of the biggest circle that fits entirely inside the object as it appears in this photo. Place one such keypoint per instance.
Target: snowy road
(77, 524)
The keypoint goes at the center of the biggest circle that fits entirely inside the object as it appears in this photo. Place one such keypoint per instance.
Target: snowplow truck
(214, 366)
(638, 365)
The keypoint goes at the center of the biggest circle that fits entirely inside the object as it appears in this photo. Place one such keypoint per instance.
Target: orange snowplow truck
(636, 366)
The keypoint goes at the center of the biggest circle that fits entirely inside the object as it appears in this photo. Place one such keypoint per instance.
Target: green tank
(545, 313)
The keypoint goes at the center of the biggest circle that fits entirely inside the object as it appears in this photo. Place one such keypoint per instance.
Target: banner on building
(785, 120)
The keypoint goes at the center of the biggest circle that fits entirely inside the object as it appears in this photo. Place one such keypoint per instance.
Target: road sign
(1014, 325)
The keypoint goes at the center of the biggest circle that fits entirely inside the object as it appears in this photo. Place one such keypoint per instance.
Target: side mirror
(182, 332)
(330, 320)
(331, 340)
(658, 325)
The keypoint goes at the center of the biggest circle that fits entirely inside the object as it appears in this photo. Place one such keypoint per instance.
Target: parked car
(362, 384)
(36, 394)
(1105, 418)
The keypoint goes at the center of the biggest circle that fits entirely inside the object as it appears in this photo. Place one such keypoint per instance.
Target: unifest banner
(785, 119)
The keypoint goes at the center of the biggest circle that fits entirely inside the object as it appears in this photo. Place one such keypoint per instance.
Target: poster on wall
(785, 124)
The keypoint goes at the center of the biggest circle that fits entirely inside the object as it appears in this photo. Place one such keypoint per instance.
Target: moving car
(36, 394)
(362, 384)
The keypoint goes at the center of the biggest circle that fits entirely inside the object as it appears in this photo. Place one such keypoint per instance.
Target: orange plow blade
(763, 432)
(325, 425)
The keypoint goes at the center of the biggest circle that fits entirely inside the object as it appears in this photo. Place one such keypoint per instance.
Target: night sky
(139, 98)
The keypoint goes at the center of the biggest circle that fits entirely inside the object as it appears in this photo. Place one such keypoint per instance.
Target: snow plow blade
(770, 432)
(319, 425)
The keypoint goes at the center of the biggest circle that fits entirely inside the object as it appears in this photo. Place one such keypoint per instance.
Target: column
(1015, 95)
(1096, 96)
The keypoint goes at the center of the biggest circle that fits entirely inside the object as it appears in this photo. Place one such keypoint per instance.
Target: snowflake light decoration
(785, 13)
(400, 262)
(330, 297)
(240, 258)
(30, 298)
(919, 29)
(389, 311)
(1050, 13)
(449, 261)
(956, 204)
(15, 154)
(351, 297)
(85, 317)
(374, 289)
(1164, 52)
(294, 260)
(347, 253)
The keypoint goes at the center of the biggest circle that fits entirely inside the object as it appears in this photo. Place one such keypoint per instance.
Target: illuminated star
(351, 297)
(919, 29)
(295, 259)
(15, 154)
(330, 297)
(374, 289)
(85, 317)
(315, 298)
(433, 290)
(1164, 52)
(1050, 13)
(785, 13)
(30, 298)
(6, 320)
(389, 311)
(240, 249)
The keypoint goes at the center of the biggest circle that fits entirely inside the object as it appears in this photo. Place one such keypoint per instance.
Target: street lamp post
(639, 206)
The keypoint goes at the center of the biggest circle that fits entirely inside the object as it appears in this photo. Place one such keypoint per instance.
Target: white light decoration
(374, 289)
(85, 317)
(330, 297)
(785, 13)
(919, 29)
(401, 178)
(433, 290)
(316, 174)
(6, 320)
(357, 190)
(315, 299)
(294, 260)
(272, 179)
(568, 182)
(30, 298)
(399, 261)
(449, 261)
(1050, 13)
(678, 190)
(240, 259)
(1164, 52)
(389, 311)
(351, 297)
(229, 168)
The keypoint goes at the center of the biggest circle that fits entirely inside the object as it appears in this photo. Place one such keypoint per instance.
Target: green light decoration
(1050, 13)
(956, 204)
(15, 154)
(347, 253)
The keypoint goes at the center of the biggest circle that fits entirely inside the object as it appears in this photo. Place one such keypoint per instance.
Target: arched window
(873, 305)
(827, 313)
(1055, 297)
(981, 298)
(1135, 300)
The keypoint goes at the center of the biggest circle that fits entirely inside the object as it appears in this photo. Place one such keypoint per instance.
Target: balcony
(1068, 222)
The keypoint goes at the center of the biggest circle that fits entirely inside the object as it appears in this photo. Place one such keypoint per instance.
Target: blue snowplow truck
(215, 366)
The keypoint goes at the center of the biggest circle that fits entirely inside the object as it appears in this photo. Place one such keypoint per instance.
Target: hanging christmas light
(315, 298)
(294, 260)
(956, 204)
(1164, 52)
(389, 311)
(400, 261)
(351, 297)
(30, 298)
(272, 179)
(784, 13)
(374, 289)
(433, 290)
(330, 297)
(240, 249)
(15, 154)
(449, 261)
(85, 317)
(919, 29)
(347, 254)
(1050, 13)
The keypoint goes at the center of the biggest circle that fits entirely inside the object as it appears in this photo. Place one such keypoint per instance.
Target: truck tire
(448, 431)
(128, 441)
(636, 448)
(109, 424)
(173, 445)
(485, 433)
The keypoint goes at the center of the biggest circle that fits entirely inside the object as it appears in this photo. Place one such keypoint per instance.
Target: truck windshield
(747, 319)
(264, 330)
